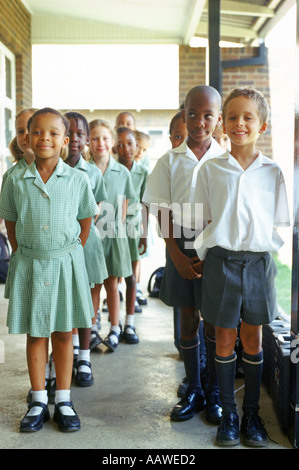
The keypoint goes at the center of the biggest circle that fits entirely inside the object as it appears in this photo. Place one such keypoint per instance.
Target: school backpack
(4, 258)
(156, 277)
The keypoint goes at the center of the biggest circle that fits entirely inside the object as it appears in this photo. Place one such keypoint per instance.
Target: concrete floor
(135, 388)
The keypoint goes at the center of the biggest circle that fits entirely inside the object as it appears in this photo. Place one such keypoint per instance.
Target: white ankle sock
(84, 355)
(64, 395)
(76, 344)
(94, 329)
(114, 338)
(38, 395)
(130, 322)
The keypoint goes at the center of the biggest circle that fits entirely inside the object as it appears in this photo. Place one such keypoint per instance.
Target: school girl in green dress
(23, 156)
(19, 147)
(111, 222)
(48, 209)
(125, 147)
(93, 249)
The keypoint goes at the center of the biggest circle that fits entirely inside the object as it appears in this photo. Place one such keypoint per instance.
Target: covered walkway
(135, 388)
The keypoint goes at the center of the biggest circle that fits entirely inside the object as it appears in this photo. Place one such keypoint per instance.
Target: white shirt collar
(258, 162)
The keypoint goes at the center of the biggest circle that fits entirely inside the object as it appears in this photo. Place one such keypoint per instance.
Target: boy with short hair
(171, 184)
(244, 196)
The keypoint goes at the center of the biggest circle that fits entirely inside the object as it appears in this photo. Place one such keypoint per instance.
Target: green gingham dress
(134, 215)
(17, 166)
(93, 248)
(119, 187)
(47, 282)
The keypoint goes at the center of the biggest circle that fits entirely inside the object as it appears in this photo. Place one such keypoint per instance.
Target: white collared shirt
(244, 206)
(172, 181)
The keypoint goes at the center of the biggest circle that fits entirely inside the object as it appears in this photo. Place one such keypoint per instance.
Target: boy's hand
(185, 267)
(198, 265)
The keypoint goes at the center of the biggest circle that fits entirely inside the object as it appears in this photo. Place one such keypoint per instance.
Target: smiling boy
(244, 196)
(168, 191)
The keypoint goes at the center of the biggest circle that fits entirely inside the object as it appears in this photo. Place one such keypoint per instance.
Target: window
(7, 104)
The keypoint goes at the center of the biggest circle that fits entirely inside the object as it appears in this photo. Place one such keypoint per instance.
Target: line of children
(227, 273)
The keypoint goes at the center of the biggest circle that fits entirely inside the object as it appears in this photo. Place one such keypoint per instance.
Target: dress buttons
(45, 227)
(46, 283)
(45, 195)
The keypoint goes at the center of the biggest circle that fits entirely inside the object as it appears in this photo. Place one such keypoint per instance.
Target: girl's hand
(142, 247)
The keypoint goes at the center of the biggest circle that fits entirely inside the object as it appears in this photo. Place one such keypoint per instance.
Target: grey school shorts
(175, 290)
(238, 285)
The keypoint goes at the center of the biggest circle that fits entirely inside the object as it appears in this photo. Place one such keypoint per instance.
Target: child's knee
(62, 336)
(209, 331)
(225, 341)
(130, 281)
(251, 338)
(189, 322)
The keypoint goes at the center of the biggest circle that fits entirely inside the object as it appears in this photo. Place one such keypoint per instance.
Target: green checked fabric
(119, 187)
(47, 283)
(93, 248)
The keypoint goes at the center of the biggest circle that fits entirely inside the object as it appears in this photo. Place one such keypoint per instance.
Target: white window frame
(6, 103)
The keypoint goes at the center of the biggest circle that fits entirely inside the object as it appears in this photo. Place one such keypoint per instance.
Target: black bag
(157, 276)
(4, 258)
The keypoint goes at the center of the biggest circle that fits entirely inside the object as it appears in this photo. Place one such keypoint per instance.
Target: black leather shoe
(185, 409)
(130, 338)
(35, 423)
(110, 343)
(95, 340)
(228, 430)
(182, 388)
(137, 308)
(213, 408)
(83, 379)
(140, 298)
(252, 428)
(66, 423)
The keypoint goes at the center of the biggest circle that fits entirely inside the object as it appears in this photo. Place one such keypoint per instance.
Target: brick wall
(256, 76)
(193, 72)
(15, 34)
(192, 69)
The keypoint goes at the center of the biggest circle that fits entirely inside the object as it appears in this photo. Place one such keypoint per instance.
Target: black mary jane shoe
(130, 335)
(108, 341)
(35, 423)
(66, 423)
(83, 379)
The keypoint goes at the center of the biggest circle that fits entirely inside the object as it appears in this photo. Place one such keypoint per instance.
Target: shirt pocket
(264, 204)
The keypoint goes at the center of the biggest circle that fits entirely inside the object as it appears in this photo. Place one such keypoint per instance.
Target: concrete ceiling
(149, 21)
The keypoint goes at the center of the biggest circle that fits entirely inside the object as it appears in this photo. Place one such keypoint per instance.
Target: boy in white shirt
(244, 196)
(171, 184)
